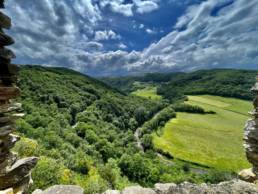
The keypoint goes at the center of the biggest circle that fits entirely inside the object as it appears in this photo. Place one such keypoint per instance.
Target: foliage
(50, 173)
(113, 175)
(26, 147)
(183, 107)
(149, 92)
(158, 120)
(140, 115)
(154, 124)
(139, 169)
(83, 132)
(220, 82)
(129, 84)
(77, 124)
(173, 86)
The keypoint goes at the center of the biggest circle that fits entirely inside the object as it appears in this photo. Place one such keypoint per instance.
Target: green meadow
(149, 92)
(214, 140)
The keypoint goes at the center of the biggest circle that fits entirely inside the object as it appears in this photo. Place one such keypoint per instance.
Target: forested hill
(83, 132)
(76, 124)
(221, 82)
(127, 84)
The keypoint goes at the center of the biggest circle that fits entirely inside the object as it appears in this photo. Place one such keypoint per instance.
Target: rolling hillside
(76, 124)
(83, 132)
(172, 86)
(149, 92)
(220, 82)
(209, 139)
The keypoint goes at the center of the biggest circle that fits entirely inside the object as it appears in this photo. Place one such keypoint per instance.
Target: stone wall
(230, 187)
(251, 141)
(14, 173)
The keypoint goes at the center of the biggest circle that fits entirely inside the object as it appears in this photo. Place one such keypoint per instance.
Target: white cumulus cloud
(145, 6)
(212, 34)
(106, 35)
(127, 9)
(216, 33)
(150, 31)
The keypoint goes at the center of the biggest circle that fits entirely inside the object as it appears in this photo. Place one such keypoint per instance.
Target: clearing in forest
(214, 140)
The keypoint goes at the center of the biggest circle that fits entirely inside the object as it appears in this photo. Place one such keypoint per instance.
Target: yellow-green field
(214, 140)
(148, 92)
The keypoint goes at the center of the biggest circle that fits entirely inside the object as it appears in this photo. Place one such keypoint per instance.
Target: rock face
(251, 141)
(164, 188)
(231, 187)
(7, 191)
(112, 192)
(14, 173)
(247, 175)
(138, 190)
(61, 189)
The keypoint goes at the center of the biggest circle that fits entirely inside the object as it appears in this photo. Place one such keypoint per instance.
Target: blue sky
(120, 37)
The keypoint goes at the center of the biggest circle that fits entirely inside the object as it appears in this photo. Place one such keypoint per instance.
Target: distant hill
(126, 83)
(221, 82)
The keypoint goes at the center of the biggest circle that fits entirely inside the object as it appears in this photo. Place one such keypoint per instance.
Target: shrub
(182, 107)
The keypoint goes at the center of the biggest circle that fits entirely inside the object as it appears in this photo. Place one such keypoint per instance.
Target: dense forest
(128, 84)
(172, 86)
(83, 132)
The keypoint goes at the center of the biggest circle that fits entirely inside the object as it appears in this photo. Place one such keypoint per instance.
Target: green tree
(47, 173)
(140, 115)
(147, 141)
(26, 147)
(139, 168)
(80, 163)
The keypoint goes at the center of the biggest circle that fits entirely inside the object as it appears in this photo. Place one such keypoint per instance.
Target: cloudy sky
(119, 37)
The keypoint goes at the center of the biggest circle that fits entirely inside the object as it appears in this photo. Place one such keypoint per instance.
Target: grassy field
(214, 140)
(148, 92)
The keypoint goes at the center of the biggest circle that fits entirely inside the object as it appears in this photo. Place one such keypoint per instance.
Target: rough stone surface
(163, 188)
(9, 160)
(5, 40)
(15, 107)
(62, 189)
(8, 142)
(5, 21)
(14, 173)
(9, 93)
(38, 191)
(230, 187)
(138, 190)
(247, 175)
(6, 53)
(251, 140)
(6, 130)
(1, 3)
(7, 191)
(112, 192)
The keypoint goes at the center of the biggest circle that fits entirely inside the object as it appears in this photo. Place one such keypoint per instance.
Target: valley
(214, 140)
(127, 131)
(149, 92)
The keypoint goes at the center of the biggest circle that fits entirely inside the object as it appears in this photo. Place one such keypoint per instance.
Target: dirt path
(137, 137)
(137, 133)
